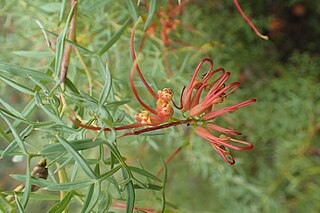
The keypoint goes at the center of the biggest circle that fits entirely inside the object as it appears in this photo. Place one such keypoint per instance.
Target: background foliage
(279, 175)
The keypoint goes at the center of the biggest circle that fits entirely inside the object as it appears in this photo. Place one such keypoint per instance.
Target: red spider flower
(204, 110)
(199, 99)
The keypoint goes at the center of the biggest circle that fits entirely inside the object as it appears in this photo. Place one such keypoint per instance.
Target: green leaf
(17, 86)
(19, 205)
(36, 195)
(56, 86)
(39, 84)
(88, 198)
(62, 9)
(14, 117)
(117, 103)
(73, 44)
(4, 134)
(27, 187)
(11, 109)
(72, 87)
(5, 205)
(105, 202)
(47, 110)
(15, 134)
(64, 163)
(164, 186)
(132, 9)
(68, 186)
(97, 169)
(89, 98)
(42, 183)
(52, 115)
(109, 173)
(24, 72)
(59, 207)
(34, 54)
(148, 186)
(9, 150)
(92, 200)
(74, 172)
(81, 161)
(106, 87)
(114, 38)
(144, 173)
(115, 152)
(130, 192)
(153, 4)
(77, 144)
(25, 112)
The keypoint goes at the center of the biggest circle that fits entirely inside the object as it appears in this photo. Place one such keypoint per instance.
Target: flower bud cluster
(164, 109)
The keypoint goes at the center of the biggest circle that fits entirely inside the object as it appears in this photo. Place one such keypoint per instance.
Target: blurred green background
(281, 174)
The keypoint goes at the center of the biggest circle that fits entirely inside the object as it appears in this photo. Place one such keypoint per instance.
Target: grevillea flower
(200, 102)
(215, 91)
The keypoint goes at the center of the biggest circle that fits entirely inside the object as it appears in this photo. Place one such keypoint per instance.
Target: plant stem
(67, 51)
(169, 159)
(249, 21)
(149, 129)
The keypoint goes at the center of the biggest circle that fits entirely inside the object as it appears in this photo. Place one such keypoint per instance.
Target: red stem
(96, 128)
(68, 47)
(249, 21)
(149, 129)
(131, 126)
(169, 159)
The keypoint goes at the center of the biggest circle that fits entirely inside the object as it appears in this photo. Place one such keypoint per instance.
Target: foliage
(98, 171)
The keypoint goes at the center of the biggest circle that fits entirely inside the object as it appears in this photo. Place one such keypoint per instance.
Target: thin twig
(67, 51)
(149, 129)
(169, 159)
(249, 21)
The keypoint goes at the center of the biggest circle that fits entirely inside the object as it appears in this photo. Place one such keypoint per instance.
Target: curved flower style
(164, 109)
(223, 141)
